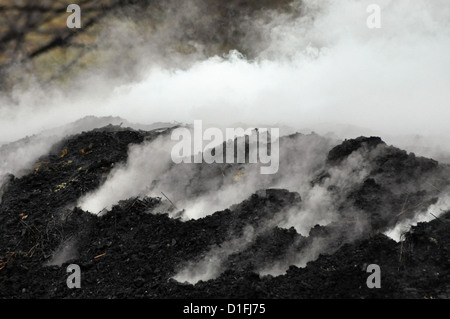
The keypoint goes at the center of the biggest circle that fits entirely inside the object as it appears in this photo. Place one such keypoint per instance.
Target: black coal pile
(140, 249)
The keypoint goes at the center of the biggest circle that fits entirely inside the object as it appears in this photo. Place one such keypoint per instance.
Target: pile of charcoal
(138, 249)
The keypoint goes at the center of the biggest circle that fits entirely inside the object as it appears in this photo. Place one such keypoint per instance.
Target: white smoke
(66, 251)
(432, 212)
(146, 163)
(325, 66)
(323, 69)
(319, 206)
(211, 264)
(18, 158)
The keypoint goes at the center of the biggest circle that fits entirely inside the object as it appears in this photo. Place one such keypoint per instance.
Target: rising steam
(320, 68)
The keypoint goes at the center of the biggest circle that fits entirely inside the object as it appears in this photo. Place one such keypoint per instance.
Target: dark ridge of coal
(129, 243)
(269, 246)
(343, 274)
(405, 272)
(31, 206)
(398, 182)
(135, 251)
(338, 153)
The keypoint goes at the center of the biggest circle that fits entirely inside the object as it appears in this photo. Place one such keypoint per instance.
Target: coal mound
(136, 250)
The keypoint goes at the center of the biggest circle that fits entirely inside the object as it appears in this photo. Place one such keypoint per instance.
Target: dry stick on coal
(403, 208)
(433, 186)
(417, 206)
(38, 236)
(169, 201)
(406, 202)
(420, 204)
(436, 217)
(9, 258)
(138, 201)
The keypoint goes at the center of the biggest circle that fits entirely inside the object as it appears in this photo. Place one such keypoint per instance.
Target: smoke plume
(306, 66)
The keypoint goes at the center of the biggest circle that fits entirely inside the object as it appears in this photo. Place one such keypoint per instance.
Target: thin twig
(436, 217)
(169, 201)
(418, 205)
(433, 186)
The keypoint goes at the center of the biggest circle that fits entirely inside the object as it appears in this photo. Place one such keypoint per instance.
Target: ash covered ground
(279, 242)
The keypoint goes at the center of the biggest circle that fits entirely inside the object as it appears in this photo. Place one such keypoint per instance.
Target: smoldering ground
(302, 65)
(350, 193)
(327, 186)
